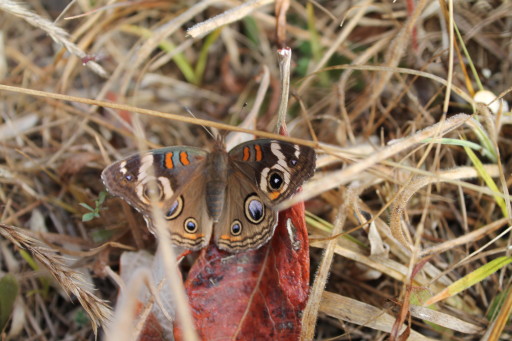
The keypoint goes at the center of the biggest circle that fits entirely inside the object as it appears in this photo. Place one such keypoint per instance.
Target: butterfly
(230, 196)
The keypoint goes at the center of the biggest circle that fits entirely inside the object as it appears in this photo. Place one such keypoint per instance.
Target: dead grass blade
(353, 311)
(225, 18)
(376, 85)
(173, 117)
(310, 313)
(335, 179)
(419, 182)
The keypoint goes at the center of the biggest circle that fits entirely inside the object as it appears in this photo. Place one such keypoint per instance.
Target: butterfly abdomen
(216, 181)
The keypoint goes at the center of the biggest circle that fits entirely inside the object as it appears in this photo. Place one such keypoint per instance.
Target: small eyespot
(190, 225)
(293, 162)
(129, 177)
(254, 209)
(236, 228)
(175, 210)
(153, 191)
(275, 180)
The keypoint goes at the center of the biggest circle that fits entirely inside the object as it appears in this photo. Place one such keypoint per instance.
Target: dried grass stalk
(225, 18)
(56, 33)
(71, 281)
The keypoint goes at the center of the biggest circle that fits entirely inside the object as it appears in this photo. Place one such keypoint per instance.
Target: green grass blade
(485, 141)
(203, 55)
(468, 56)
(316, 47)
(470, 279)
(454, 142)
(478, 275)
(9, 289)
(28, 258)
(251, 30)
(180, 60)
(488, 180)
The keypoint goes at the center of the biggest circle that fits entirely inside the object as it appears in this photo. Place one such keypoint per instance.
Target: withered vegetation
(409, 210)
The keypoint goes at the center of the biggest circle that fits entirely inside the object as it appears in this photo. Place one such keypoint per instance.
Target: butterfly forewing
(277, 168)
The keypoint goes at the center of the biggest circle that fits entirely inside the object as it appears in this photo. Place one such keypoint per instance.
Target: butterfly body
(216, 180)
(230, 196)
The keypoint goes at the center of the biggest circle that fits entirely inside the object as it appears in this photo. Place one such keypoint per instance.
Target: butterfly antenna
(194, 116)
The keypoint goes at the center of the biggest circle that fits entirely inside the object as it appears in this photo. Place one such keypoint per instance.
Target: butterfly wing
(263, 173)
(171, 177)
(247, 221)
(277, 168)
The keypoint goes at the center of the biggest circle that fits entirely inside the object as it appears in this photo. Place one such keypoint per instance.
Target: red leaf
(258, 294)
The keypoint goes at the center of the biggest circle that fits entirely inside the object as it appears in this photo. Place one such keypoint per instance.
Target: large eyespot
(175, 210)
(152, 191)
(236, 228)
(275, 179)
(190, 225)
(254, 209)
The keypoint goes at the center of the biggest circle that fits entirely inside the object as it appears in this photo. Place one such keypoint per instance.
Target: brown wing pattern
(276, 168)
(169, 177)
(247, 222)
(262, 173)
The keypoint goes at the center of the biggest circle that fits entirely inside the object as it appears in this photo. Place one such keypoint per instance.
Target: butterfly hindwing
(247, 221)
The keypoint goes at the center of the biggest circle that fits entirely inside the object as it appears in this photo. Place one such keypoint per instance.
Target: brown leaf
(76, 162)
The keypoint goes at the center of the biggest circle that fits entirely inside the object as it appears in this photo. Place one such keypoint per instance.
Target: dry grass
(412, 188)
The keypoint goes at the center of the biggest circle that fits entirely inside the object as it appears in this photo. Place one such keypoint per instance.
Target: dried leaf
(75, 162)
(17, 126)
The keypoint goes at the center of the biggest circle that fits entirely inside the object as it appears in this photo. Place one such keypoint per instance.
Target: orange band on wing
(184, 158)
(259, 154)
(168, 160)
(247, 154)
(193, 235)
(274, 195)
(233, 239)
